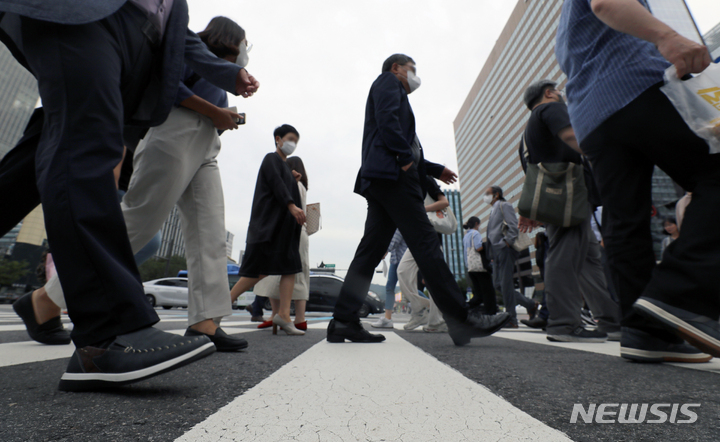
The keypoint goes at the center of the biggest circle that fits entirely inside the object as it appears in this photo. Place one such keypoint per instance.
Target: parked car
(324, 293)
(233, 270)
(167, 292)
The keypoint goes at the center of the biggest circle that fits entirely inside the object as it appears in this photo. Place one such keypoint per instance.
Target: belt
(146, 27)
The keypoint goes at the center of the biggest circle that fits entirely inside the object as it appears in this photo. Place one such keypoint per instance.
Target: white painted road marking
(343, 392)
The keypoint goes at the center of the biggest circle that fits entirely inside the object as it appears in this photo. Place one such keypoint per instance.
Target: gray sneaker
(417, 320)
(383, 323)
(436, 328)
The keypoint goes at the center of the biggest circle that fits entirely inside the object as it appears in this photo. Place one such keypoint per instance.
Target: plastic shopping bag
(698, 101)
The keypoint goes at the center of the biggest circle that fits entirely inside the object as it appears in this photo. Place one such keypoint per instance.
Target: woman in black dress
(273, 237)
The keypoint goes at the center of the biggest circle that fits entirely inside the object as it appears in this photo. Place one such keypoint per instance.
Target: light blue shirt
(397, 248)
(472, 237)
(606, 69)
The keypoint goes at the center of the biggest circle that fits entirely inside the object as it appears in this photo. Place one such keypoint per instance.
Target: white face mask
(413, 81)
(243, 58)
(488, 199)
(288, 147)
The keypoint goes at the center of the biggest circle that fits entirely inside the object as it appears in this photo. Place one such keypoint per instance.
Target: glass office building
(173, 242)
(712, 40)
(453, 244)
(18, 97)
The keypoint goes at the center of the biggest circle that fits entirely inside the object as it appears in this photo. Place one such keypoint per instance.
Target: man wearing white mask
(389, 179)
(176, 164)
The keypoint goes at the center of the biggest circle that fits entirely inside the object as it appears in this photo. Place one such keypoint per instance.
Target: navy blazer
(388, 135)
(180, 46)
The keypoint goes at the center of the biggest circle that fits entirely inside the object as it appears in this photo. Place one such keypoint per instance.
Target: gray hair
(534, 92)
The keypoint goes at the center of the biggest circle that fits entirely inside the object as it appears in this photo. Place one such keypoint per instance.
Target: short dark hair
(534, 93)
(298, 166)
(471, 223)
(400, 59)
(222, 36)
(283, 130)
(497, 190)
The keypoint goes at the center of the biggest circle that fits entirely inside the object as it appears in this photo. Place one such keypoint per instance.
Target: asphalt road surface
(514, 386)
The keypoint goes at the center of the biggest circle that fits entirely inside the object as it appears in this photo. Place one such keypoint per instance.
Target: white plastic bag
(698, 101)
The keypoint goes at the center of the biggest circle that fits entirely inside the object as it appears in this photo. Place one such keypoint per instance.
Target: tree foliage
(156, 268)
(11, 271)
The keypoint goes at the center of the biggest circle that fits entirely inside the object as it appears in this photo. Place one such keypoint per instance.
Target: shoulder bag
(443, 221)
(474, 259)
(554, 193)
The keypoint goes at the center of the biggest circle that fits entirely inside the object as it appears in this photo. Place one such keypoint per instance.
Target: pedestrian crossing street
(333, 392)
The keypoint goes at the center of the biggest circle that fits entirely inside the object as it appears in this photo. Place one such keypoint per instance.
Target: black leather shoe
(537, 322)
(339, 331)
(50, 332)
(476, 325)
(638, 345)
(131, 358)
(222, 341)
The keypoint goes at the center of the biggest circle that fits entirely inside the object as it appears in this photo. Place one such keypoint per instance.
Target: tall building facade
(7, 242)
(453, 244)
(18, 97)
(712, 40)
(491, 120)
(173, 242)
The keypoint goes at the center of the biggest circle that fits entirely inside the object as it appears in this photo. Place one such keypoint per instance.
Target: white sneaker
(436, 328)
(383, 323)
(417, 320)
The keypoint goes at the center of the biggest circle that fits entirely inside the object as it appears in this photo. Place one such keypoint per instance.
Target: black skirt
(270, 258)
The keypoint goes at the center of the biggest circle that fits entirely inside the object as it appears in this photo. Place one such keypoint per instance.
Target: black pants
(90, 79)
(399, 204)
(623, 151)
(483, 291)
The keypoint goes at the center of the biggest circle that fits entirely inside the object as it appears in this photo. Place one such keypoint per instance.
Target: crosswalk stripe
(349, 392)
(16, 353)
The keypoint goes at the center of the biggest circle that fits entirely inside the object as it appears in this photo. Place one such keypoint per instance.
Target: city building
(453, 244)
(489, 125)
(229, 239)
(30, 244)
(18, 97)
(712, 40)
(7, 242)
(173, 242)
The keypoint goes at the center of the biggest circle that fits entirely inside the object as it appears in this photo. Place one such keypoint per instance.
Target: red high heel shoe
(301, 326)
(266, 324)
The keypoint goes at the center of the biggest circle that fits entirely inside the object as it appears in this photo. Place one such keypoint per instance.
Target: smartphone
(240, 120)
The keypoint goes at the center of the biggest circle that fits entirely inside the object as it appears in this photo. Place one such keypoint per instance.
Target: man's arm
(630, 17)
(512, 223)
(387, 98)
(567, 135)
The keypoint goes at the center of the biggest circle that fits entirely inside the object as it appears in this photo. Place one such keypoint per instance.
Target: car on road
(167, 292)
(324, 293)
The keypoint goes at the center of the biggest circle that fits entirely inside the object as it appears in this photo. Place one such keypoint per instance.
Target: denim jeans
(392, 281)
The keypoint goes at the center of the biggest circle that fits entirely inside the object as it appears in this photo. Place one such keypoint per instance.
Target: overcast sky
(316, 60)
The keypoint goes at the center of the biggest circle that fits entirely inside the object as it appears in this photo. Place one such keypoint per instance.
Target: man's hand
(245, 84)
(406, 168)
(687, 56)
(224, 119)
(297, 213)
(448, 176)
(297, 175)
(526, 225)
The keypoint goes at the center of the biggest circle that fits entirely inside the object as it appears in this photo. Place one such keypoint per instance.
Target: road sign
(329, 266)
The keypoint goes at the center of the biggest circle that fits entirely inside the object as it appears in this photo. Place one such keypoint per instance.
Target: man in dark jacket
(389, 178)
(105, 70)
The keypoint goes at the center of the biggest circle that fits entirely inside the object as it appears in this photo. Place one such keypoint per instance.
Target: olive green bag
(554, 193)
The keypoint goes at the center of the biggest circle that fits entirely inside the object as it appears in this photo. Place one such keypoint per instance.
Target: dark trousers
(623, 151)
(483, 291)
(399, 204)
(90, 79)
(258, 305)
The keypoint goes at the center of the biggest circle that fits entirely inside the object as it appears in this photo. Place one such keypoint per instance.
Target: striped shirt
(606, 69)
(397, 248)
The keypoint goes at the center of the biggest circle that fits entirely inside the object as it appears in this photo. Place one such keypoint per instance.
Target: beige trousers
(407, 276)
(176, 163)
